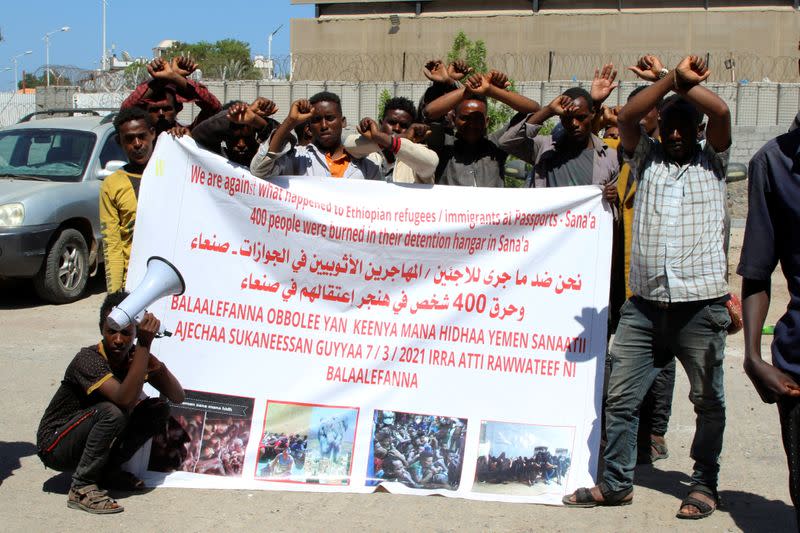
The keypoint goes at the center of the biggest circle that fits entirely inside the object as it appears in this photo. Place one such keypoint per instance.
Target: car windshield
(50, 154)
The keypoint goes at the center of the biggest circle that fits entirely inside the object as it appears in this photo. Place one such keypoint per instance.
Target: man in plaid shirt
(678, 268)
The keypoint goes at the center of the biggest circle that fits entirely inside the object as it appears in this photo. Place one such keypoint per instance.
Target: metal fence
(759, 104)
(540, 65)
(14, 106)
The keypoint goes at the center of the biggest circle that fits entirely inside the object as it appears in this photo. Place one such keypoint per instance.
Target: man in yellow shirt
(119, 193)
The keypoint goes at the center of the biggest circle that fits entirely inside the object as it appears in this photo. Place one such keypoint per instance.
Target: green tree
(474, 53)
(227, 59)
(31, 80)
(384, 97)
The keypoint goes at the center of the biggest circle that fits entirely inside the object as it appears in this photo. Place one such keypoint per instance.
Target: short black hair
(326, 96)
(401, 103)
(300, 130)
(682, 105)
(112, 300)
(131, 113)
(580, 92)
(473, 96)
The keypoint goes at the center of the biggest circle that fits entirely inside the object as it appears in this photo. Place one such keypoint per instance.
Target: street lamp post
(15, 61)
(47, 50)
(269, 51)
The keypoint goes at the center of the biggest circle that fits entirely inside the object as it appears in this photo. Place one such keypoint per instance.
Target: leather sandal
(658, 450)
(92, 499)
(703, 507)
(585, 499)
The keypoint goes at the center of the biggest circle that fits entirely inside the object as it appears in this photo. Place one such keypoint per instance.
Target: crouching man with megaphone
(99, 415)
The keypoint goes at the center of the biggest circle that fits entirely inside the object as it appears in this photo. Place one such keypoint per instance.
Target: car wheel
(63, 275)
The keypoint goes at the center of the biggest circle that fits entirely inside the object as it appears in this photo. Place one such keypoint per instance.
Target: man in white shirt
(395, 144)
(325, 156)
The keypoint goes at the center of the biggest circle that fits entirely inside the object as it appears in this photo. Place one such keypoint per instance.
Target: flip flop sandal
(92, 499)
(704, 508)
(585, 499)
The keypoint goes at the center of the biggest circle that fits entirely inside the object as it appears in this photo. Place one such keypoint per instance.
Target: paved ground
(37, 341)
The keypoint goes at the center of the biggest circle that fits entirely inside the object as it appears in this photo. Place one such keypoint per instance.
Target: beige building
(377, 40)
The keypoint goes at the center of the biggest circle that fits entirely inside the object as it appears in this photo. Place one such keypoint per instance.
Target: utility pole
(104, 62)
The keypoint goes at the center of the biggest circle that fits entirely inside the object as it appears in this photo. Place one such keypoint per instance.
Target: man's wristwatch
(663, 73)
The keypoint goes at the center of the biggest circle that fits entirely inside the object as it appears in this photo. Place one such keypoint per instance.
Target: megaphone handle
(162, 331)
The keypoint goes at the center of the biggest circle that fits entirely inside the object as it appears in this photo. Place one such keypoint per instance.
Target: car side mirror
(111, 167)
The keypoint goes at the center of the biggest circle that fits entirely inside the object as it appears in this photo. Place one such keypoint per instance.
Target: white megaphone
(161, 279)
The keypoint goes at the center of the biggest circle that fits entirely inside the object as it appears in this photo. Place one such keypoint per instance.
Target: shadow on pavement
(10, 455)
(61, 482)
(58, 484)
(19, 293)
(750, 512)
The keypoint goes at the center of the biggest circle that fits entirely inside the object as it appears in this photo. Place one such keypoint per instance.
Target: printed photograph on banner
(206, 434)
(419, 451)
(305, 443)
(523, 459)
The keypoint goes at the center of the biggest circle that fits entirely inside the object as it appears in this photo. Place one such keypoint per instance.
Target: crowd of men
(542, 466)
(417, 450)
(660, 161)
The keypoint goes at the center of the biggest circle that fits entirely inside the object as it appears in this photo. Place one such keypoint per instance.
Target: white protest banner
(339, 334)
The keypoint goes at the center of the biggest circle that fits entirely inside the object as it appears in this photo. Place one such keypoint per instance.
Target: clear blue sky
(135, 26)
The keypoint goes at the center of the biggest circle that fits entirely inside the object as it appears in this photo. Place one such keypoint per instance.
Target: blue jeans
(646, 339)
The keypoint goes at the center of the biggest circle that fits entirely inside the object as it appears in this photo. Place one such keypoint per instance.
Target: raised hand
(609, 115)
(691, 71)
(648, 68)
(368, 128)
(477, 84)
(603, 83)
(417, 132)
(301, 111)
(147, 329)
(458, 69)
(499, 79)
(264, 107)
(436, 71)
(240, 113)
(159, 69)
(561, 105)
(183, 66)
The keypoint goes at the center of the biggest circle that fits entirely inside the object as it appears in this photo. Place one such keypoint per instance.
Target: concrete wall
(747, 140)
(361, 48)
